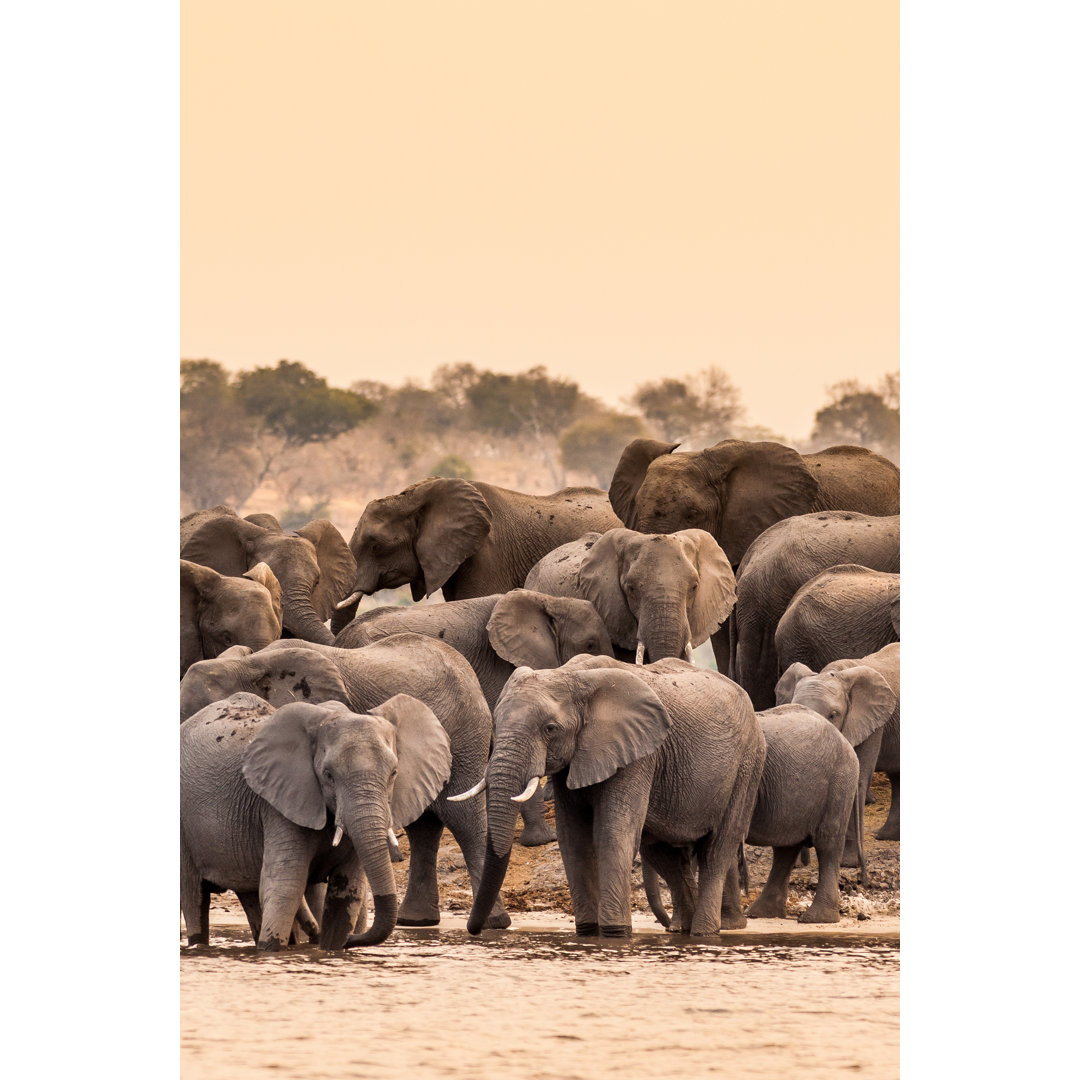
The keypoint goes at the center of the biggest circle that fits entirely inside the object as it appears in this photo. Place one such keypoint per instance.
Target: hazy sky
(617, 190)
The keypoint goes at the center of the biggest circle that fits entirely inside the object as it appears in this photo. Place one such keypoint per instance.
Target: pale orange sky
(617, 190)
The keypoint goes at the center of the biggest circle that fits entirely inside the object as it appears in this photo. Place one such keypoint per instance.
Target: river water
(543, 1004)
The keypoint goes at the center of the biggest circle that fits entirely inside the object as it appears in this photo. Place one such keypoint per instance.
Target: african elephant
(217, 612)
(313, 565)
(295, 670)
(735, 490)
(668, 756)
(783, 559)
(469, 539)
(886, 662)
(496, 634)
(659, 595)
(270, 804)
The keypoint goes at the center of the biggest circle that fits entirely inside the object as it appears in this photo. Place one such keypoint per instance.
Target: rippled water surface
(437, 1003)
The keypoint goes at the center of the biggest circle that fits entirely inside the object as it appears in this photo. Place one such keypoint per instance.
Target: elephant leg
(536, 831)
(362, 913)
(249, 901)
(315, 895)
(891, 829)
(617, 826)
(345, 894)
(826, 904)
(305, 924)
(674, 866)
(421, 904)
(717, 854)
(194, 900)
(467, 822)
(731, 912)
(286, 862)
(772, 902)
(575, 821)
(867, 754)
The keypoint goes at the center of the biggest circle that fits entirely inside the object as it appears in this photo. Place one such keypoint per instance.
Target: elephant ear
(870, 702)
(337, 567)
(277, 764)
(894, 614)
(762, 483)
(623, 720)
(265, 521)
(785, 688)
(266, 577)
(521, 632)
(223, 543)
(455, 521)
(194, 581)
(715, 595)
(599, 579)
(423, 754)
(633, 465)
(296, 674)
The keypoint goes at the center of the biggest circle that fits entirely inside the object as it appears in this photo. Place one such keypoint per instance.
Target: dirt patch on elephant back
(536, 881)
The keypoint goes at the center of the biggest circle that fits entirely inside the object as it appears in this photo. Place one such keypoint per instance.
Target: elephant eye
(550, 729)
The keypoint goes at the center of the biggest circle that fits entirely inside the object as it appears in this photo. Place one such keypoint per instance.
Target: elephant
(469, 539)
(783, 559)
(667, 756)
(313, 565)
(272, 801)
(660, 595)
(217, 612)
(427, 669)
(736, 490)
(496, 634)
(799, 683)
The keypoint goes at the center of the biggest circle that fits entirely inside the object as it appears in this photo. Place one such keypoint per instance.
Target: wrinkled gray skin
(427, 669)
(886, 662)
(736, 490)
(666, 592)
(262, 793)
(666, 756)
(496, 634)
(469, 539)
(313, 564)
(217, 612)
(782, 560)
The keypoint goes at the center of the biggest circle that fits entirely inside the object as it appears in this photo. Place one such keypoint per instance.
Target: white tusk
(339, 832)
(470, 793)
(529, 792)
(640, 658)
(689, 653)
(392, 839)
(347, 601)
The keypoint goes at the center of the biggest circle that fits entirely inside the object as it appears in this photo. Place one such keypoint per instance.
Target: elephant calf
(272, 801)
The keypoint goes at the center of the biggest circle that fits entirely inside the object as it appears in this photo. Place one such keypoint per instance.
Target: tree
(697, 410)
(594, 443)
(860, 416)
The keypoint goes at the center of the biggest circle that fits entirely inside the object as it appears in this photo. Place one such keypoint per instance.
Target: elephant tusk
(392, 840)
(529, 792)
(339, 832)
(640, 658)
(470, 793)
(347, 601)
(689, 653)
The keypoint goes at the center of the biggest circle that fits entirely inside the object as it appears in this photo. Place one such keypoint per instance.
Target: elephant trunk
(300, 618)
(366, 821)
(664, 631)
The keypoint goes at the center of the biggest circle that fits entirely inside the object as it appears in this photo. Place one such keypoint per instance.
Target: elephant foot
(888, 832)
(615, 930)
(497, 922)
(403, 920)
(823, 914)
(850, 857)
(537, 837)
(587, 929)
(199, 939)
(871, 798)
(731, 921)
(269, 945)
(763, 908)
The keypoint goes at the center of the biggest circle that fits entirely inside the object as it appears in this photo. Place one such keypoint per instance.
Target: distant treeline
(283, 426)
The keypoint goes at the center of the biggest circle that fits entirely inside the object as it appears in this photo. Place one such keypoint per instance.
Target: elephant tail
(651, 880)
(744, 874)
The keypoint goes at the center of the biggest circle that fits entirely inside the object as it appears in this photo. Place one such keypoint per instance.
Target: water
(542, 1005)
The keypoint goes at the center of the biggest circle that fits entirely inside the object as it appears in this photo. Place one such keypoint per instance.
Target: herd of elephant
(311, 734)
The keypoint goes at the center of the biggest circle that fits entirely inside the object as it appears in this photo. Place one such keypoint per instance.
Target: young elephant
(659, 594)
(274, 801)
(217, 612)
(807, 794)
(496, 634)
(799, 684)
(294, 670)
(668, 756)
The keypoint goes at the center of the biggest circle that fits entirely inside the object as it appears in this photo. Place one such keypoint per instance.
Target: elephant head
(418, 537)
(734, 490)
(851, 696)
(532, 629)
(589, 722)
(278, 675)
(313, 565)
(661, 594)
(217, 612)
(374, 773)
